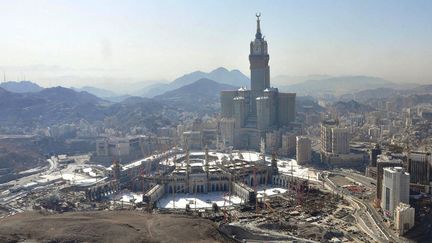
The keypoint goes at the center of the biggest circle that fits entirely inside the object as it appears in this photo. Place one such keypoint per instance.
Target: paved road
(363, 221)
(8, 196)
(371, 213)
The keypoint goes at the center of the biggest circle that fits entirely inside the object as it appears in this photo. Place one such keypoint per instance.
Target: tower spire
(258, 34)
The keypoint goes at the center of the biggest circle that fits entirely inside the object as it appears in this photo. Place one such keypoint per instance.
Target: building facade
(304, 150)
(419, 167)
(340, 140)
(384, 161)
(395, 189)
(404, 218)
(261, 108)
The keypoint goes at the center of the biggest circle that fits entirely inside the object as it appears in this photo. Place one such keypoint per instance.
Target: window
(387, 199)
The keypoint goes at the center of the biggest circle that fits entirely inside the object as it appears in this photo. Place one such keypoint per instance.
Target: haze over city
(216, 121)
(79, 43)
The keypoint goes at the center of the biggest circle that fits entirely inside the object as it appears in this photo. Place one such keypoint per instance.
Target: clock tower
(258, 59)
(249, 115)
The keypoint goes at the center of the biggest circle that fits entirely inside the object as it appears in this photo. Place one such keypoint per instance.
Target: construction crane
(268, 207)
(255, 189)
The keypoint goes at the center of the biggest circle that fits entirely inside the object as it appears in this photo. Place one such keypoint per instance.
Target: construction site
(250, 196)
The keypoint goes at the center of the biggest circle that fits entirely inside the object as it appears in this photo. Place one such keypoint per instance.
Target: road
(368, 219)
(367, 212)
(13, 194)
(364, 222)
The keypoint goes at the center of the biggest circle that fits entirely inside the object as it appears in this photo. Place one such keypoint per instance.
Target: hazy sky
(76, 43)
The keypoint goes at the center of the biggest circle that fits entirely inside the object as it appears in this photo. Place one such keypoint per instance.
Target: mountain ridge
(201, 95)
(338, 85)
(24, 86)
(221, 75)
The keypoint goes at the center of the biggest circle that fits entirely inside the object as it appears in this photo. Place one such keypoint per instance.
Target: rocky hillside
(202, 96)
(220, 75)
(20, 87)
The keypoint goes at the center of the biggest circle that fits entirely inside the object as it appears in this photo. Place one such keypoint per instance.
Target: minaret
(207, 167)
(275, 169)
(116, 168)
(206, 157)
(262, 150)
(187, 169)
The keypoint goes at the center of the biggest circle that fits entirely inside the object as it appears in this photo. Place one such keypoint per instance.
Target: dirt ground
(108, 226)
(340, 180)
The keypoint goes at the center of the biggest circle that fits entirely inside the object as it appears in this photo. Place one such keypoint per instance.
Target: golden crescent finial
(258, 15)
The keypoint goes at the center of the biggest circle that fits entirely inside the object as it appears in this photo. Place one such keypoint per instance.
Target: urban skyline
(83, 43)
(216, 156)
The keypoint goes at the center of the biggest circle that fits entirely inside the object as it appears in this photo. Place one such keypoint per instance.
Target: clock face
(257, 48)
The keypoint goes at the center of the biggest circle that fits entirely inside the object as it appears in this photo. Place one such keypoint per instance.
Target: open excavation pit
(313, 215)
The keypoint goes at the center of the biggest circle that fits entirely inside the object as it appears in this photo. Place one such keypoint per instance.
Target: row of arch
(199, 188)
(100, 191)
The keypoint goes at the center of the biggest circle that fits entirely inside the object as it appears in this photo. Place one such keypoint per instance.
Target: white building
(113, 146)
(395, 189)
(304, 150)
(227, 131)
(192, 139)
(374, 133)
(404, 218)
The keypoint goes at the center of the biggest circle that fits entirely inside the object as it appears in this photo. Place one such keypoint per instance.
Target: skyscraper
(303, 150)
(334, 140)
(262, 108)
(395, 189)
(340, 140)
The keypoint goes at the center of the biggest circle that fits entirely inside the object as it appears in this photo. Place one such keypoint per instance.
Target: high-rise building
(192, 140)
(288, 144)
(272, 141)
(334, 140)
(303, 150)
(227, 131)
(340, 140)
(374, 155)
(395, 189)
(326, 135)
(419, 167)
(404, 218)
(384, 161)
(262, 108)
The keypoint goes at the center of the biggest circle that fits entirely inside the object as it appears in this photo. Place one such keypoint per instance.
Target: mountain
(69, 96)
(368, 94)
(307, 104)
(284, 80)
(101, 93)
(20, 87)
(337, 85)
(15, 102)
(60, 106)
(154, 90)
(56, 105)
(385, 93)
(342, 107)
(116, 99)
(422, 89)
(221, 75)
(202, 96)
